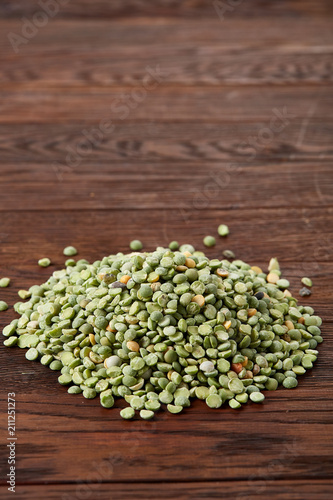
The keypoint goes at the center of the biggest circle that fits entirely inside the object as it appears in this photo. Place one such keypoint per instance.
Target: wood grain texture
(171, 8)
(245, 490)
(167, 104)
(155, 186)
(302, 141)
(111, 53)
(198, 149)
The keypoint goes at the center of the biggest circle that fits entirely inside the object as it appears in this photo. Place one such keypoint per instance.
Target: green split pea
(166, 327)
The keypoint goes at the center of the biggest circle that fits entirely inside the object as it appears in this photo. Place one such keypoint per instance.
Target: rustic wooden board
(172, 8)
(174, 166)
(157, 185)
(301, 143)
(245, 490)
(169, 104)
(102, 53)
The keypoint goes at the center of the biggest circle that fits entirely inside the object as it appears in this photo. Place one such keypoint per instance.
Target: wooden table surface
(159, 120)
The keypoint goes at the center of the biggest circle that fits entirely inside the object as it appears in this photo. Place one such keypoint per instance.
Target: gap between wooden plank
(163, 209)
(175, 481)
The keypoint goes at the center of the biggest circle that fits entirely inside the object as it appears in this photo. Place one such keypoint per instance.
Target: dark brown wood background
(177, 165)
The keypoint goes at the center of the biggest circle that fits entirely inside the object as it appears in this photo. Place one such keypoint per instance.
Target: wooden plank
(167, 104)
(299, 142)
(181, 66)
(171, 8)
(82, 36)
(189, 52)
(184, 187)
(320, 489)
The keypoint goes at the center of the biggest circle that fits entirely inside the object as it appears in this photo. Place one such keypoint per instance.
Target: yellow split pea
(125, 279)
(190, 262)
(181, 268)
(272, 278)
(92, 339)
(199, 299)
(133, 346)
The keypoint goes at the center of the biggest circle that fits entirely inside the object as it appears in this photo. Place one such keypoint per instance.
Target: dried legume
(136, 245)
(257, 397)
(4, 282)
(306, 282)
(127, 413)
(45, 262)
(304, 292)
(166, 326)
(228, 254)
(223, 230)
(174, 245)
(70, 251)
(209, 241)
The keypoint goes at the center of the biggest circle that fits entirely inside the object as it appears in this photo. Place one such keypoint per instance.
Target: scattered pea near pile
(167, 326)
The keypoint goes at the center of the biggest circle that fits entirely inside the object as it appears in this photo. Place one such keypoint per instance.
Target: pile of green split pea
(165, 327)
